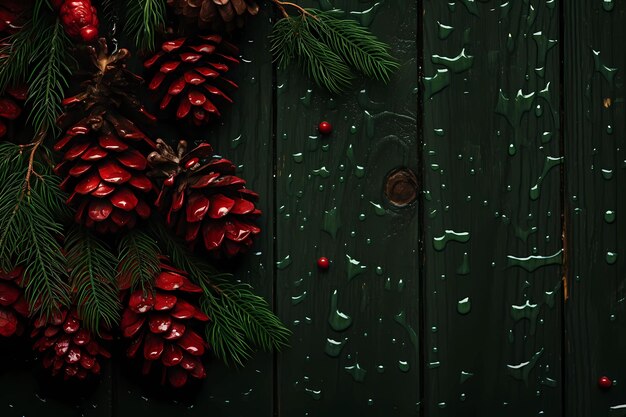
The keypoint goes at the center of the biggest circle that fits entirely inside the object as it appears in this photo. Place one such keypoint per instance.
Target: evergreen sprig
(240, 319)
(38, 54)
(326, 46)
(93, 277)
(144, 19)
(139, 260)
(29, 228)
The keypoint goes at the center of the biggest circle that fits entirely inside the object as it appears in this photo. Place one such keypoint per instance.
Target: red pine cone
(204, 200)
(13, 305)
(67, 348)
(160, 325)
(190, 72)
(9, 108)
(79, 18)
(103, 164)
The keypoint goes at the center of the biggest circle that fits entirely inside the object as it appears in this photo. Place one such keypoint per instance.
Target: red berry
(323, 263)
(325, 128)
(605, 382)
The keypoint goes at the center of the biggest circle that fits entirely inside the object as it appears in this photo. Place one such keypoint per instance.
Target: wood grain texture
(244, 137)
(330, 200)
(492, 323)
(595, 126)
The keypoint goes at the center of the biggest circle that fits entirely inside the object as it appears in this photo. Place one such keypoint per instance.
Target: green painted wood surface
(456, 303)
(492, 197)
(595, 125)
(330, 202)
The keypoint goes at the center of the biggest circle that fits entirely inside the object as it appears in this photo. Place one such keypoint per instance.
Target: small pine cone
(189, 74)
(9, 107)
(67, 348)
(160, 325)
(13, 305)
(79, 19)
(217, 15)
(103, 162)
(203, 199)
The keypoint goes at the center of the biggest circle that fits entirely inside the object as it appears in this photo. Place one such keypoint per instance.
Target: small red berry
(325, 128)
(323, 263)
(605, 382)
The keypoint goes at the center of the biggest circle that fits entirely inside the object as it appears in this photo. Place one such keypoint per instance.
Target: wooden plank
(330, 200)
(29, 391)
(245, 137)
(492, 198)
(595, 159)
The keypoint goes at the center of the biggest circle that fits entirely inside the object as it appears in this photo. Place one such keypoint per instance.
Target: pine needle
(93, 277)
(139, 260)
(144, 19)
(29, 230)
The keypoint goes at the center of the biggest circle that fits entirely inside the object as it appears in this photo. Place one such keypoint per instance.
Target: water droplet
(609, 216)
(404, 366)
(465, 376)
(354, 267)
(611, 258)
(331, 222)
(358, 373)
(334, 347)
(338, 321)
(284, 263)
(533, 262)
(298, 157)
(297, 299)
(522, 370)
(440, 243)
(315, 394)
(464, 306)
(512, 149)
(550, 162)
(464, 268)
(444, 30)
(526, 311)
(234, 143)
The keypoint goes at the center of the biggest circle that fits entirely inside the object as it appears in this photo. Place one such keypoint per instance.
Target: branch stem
(281, 6)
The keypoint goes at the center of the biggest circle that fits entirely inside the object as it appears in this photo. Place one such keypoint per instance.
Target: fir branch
(294, 39)
(15, 54)
(240, 319)
(93, 276)
(139, 260)
(144, 19)
(29, 229)
(325, 47)
(49, 74)
(355, 44)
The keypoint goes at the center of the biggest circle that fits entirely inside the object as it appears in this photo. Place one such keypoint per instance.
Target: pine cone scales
(190, 76)
(215, 14)
(103, 166)
(160, 325)
(13, 305)
(203, 199)
(68, 348)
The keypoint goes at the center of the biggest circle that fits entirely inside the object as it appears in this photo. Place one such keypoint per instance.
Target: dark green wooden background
(500, 291)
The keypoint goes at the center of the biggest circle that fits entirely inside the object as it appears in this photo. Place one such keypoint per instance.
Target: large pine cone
(203, 199)
(68, 348)
(217, 15)
(103, 162)
(160, 326)
(13, 305)
(190, 76)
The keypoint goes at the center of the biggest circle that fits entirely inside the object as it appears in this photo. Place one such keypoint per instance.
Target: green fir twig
(138, 260)
(144, 20)
(326, 46)
(93, 277)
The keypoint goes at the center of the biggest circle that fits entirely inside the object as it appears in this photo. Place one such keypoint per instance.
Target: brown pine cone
(203, 199)
(68, 348)
(160, 325)
(217, 15)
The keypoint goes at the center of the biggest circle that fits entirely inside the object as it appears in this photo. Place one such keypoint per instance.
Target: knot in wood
(401, 187)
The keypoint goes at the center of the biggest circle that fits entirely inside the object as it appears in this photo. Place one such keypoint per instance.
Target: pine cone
(190, 72)
(13, 305)
(67, 348)
(103, 161)
(202, 198)
(160, 324)
(9, 107)
(217, 15)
